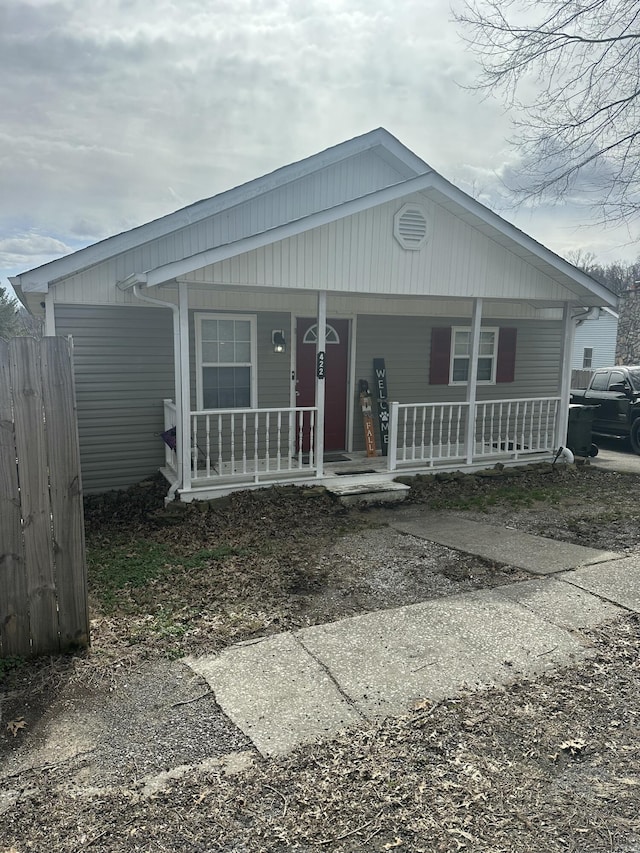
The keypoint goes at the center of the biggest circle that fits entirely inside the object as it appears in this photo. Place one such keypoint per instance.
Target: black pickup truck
(616, 390)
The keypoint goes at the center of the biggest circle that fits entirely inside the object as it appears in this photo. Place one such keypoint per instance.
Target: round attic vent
(410, 227)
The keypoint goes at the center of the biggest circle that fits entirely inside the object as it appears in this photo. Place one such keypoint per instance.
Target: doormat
(336, 457)
(328, 457)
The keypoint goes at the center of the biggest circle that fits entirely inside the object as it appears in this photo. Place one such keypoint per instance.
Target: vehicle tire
(634, 436)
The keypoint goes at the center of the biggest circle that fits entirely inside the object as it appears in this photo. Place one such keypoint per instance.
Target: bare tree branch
(572, 69)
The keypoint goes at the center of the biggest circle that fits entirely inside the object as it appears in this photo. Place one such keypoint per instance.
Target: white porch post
(320, 382)
(49, 316)
(568, 331)
(472, 382)
(184, 448)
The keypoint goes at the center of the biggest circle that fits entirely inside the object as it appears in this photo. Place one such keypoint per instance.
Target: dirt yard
(547, 764)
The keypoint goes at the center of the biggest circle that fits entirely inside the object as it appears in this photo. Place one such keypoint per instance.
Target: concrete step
(366, 489)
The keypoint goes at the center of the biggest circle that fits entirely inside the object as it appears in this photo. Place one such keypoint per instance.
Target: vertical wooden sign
(367, 418)
(380, 373)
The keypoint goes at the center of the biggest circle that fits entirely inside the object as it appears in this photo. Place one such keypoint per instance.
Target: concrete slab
(365, 490)
(617, 581)
(614, 456)
(276, 693)
(557, 601)
(535, 554)
(383, 661)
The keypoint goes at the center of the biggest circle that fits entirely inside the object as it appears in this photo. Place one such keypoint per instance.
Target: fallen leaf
(14, 726)
(575, 747)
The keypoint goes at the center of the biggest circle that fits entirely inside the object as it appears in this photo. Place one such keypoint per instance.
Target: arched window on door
(311, 335)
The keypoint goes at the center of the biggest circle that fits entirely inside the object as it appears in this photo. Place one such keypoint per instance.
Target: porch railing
(426, 433)
(516, 427)
(255, 444)
(435, 433)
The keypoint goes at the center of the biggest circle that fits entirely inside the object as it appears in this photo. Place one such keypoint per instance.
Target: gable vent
(410, 227)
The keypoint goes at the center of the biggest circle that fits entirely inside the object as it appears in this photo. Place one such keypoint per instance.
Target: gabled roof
(414, 176)
(386, 145)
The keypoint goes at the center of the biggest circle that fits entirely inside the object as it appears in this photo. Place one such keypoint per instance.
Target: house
(595, 340)
(244, 326)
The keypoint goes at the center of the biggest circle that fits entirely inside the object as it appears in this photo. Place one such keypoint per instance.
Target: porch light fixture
(278, 341)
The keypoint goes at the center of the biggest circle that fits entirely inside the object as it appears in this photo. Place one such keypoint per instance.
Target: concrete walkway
(297, 687)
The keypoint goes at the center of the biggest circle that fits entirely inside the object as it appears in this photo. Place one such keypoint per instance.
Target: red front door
(337, 361)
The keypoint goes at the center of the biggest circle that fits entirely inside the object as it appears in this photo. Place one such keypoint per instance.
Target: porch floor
(354, 474)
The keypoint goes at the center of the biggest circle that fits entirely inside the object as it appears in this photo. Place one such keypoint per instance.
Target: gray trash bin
(580, 429)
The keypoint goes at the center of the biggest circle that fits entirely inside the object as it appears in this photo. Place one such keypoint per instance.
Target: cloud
(30, 249)
(116, 112)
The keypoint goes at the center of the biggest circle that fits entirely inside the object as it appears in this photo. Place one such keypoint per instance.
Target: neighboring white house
(243, 327)
(594, 343)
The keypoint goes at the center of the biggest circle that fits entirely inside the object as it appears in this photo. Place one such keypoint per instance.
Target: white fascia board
(515, 235)
(183, 267)
(38, 279)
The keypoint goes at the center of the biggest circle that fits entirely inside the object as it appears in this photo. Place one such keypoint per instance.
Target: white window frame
(588, 358)
(494, 357)
(253, 364)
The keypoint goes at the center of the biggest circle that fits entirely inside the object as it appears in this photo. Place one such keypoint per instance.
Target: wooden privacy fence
(43, 581)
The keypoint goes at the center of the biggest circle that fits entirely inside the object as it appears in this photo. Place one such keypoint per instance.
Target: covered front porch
(212, 451)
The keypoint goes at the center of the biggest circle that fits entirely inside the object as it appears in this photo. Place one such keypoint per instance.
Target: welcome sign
(380, 374)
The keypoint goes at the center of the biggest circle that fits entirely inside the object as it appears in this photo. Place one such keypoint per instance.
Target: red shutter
(506, 366)
(440, 355)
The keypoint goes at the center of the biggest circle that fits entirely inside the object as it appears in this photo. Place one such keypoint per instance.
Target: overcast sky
(116, 112)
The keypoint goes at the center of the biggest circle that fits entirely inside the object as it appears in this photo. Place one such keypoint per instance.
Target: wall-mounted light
(278, 341)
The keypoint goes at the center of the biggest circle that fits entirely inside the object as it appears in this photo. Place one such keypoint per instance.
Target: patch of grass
(9, 664)
(511, 495)
(123, 565)
(122, 569)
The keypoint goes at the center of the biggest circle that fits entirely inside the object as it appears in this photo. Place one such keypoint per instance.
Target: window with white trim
(461, 356)
(226, 361)
(587, 358)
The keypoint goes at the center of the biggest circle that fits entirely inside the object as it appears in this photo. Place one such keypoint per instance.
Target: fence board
(14, 619)
(24, 367)
(66, 492)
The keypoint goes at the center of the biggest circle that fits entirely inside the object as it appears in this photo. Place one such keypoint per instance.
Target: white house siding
(600, 336)
(405, 344)
(359, 254)
(358, 175)
(123, 364)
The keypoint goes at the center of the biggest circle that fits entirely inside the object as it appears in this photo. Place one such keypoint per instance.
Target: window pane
(227, 351)
(600, 381)
(243, 387)
(460, 369)
(226, 387)
(209, 352)
(210, 388)
(461, 344)
(225, 330)
(486, 343)
(209, 330)
(243, 351)
(242, 330)
(484, 369)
